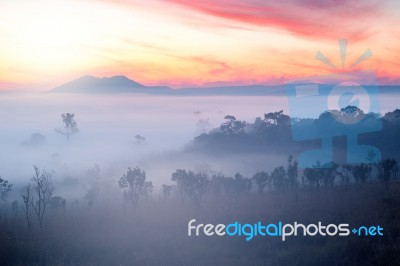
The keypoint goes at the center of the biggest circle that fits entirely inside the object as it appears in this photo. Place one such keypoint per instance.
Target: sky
(185, 43)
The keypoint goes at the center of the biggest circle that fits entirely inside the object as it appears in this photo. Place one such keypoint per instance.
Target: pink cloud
(307, 18)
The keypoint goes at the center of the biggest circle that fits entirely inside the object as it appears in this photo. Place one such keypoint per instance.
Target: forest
(130, 220)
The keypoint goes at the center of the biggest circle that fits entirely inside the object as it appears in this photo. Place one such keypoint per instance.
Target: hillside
(114, 84)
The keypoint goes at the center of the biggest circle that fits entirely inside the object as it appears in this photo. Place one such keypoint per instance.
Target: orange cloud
(192, 43)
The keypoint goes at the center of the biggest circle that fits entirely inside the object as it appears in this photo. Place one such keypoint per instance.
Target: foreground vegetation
(155, 233)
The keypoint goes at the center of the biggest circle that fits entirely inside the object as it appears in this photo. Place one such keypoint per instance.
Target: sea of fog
(108, 125)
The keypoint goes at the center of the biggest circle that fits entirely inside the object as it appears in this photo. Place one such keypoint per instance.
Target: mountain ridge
(113, 84)
(121, 84)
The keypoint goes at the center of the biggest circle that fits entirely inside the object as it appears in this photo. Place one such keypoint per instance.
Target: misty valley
(114, 179)
(199, 133)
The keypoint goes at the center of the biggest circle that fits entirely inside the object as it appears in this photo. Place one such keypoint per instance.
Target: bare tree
(70, 126)
(43, 188)
(26, 197)
(14, 209)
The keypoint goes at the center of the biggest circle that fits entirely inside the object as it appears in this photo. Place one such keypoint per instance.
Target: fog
(109, 228)
(108, 125)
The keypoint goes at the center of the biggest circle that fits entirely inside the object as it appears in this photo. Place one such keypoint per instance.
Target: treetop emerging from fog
(70, 125)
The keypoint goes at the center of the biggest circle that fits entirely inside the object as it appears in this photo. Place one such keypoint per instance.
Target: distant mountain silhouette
(115, 84)
(244, 90)
(122, 84)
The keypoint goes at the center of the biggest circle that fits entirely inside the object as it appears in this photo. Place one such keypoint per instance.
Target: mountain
(122, 84)
(241, 90)
(115, 84)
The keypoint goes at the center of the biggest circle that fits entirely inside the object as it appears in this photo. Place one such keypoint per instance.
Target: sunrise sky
(185, 43)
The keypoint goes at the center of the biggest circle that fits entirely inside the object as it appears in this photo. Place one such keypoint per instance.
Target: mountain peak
(91, 84)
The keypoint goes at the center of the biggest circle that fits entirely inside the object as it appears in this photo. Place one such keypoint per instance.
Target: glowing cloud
(190, 43)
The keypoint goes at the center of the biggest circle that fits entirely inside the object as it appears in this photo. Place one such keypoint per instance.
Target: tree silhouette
(190, 184)
(5, 187)
(182, 179)
(232, 126)
(140, 140)
(322, 174)
(166, 191)
(346, 173)
(70, 126)
(43, 191)
(35, 140)
(387, 169)
(361, 172)
(57, 203)
(261, 180)
(203, 126)
(217, 184)
(200, 187)
(278, 177)
(292, 172)
(241, 184)
(147, 190)
(313, 175)
(276, 118)
(329, 172)
(134, 186)
(26, 198)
